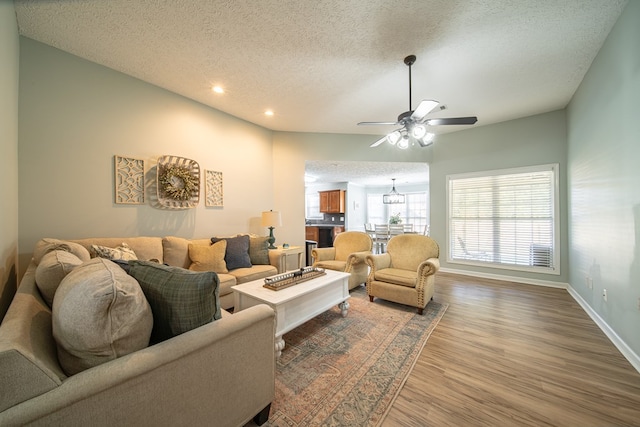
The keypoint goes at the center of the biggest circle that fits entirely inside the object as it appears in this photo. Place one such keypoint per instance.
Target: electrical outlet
(604, 294)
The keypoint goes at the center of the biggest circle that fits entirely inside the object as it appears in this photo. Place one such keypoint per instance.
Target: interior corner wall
(604, 182)
(9, 74)
(292, 149)
(75, 115)
(534, 140)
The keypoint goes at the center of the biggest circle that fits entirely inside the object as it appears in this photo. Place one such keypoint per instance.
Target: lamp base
(271, 239)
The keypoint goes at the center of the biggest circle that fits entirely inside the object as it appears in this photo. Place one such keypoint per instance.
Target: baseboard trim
(526, 281)
(615, 339)
(626, 351)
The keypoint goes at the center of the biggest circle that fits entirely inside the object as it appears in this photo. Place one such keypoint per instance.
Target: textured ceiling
(324, 65)
(367, 173)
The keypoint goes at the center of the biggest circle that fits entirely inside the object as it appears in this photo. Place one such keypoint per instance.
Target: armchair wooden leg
(370, 298)
(420, 311)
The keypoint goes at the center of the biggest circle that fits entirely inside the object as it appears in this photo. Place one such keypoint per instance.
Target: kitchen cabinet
(332, 201)
(312, 233)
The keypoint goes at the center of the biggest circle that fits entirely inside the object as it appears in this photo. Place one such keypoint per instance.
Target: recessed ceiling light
(218, 89)
(268, 113)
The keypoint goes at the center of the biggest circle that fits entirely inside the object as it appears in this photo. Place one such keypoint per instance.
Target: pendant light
(393, 197)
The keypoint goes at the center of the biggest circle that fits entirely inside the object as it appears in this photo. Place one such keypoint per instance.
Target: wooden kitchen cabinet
(312, 233)
(332, 201)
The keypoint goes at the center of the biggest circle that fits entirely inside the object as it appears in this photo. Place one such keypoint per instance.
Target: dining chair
(381, 237)
(408, 228)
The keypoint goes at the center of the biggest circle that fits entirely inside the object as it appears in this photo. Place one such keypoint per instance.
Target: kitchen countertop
(325, 224)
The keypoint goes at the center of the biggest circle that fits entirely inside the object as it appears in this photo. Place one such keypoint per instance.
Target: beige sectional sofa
(221, 373)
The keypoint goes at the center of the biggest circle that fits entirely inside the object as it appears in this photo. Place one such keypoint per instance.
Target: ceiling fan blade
(424, 108)
(376, 123)
(378, 142)
(452, 121)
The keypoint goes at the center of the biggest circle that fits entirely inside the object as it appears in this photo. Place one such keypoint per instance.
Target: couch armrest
(323, 254)
(196, 378)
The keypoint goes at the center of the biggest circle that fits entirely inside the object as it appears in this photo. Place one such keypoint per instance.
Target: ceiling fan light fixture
(393, 197)
(418, 131)
(403, 144)
(394, 137)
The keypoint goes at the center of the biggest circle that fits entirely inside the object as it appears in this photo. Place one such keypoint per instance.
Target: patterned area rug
(337, 371)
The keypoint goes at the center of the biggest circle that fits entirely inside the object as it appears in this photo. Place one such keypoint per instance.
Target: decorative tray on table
(291, 278)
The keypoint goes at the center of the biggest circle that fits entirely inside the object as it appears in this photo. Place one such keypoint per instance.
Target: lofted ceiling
(325, 65)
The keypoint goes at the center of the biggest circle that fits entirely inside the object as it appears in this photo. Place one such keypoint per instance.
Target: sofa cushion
(146, 248)
(258, 250)
(120, 253)
(209, 257)
(237, 252)
(226, 282)
(180, 299)
(53, 267)
(47, 245)
(244, 275)
(99, 313)
(176, 250)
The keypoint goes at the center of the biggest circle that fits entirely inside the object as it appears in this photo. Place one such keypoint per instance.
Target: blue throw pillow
(237, 253)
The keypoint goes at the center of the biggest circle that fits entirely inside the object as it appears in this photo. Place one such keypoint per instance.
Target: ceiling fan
(414, 124)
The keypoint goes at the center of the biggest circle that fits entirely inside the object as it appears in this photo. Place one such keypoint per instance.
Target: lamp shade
(271, 219)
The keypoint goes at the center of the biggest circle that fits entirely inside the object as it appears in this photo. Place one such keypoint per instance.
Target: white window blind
(505, 218)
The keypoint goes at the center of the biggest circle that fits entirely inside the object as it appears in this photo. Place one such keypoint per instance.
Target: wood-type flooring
(508, 354)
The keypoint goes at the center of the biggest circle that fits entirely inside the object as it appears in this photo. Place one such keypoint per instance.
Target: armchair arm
(378, 261)
(356, 258)
(429, 267)
(323, 254)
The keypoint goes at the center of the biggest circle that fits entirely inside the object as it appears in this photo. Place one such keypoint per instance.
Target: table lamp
(271, 220)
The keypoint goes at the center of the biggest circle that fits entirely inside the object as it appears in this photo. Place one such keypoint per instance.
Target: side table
(288, 252)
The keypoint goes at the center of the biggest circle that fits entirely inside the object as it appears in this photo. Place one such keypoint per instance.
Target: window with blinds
(508, 219)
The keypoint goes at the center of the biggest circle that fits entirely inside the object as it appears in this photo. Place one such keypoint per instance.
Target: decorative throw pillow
(258, 250)
(47, 245)
(122, 252)
(180, 299)
(237, 252)
(53, 267)
(208, 258)
(99, 313)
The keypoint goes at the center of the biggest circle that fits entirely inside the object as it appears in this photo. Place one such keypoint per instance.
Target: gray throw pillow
(180, 299)
(237, 253)
(259, 250)
(99, 313)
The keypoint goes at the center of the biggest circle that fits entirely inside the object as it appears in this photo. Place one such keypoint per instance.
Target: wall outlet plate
(604, 294)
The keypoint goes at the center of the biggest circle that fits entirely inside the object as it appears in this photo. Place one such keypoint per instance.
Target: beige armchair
(406, 272)
(347, 254)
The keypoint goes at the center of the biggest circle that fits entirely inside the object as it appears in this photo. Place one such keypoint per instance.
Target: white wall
(604, 181)
(9, 71)
(76, 115)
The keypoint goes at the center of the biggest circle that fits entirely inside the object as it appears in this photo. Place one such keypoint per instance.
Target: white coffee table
(298, 303)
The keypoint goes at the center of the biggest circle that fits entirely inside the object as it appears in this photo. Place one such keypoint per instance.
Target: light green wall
(76, 115)
(534, 140)
(9, 54)
(603, 122)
